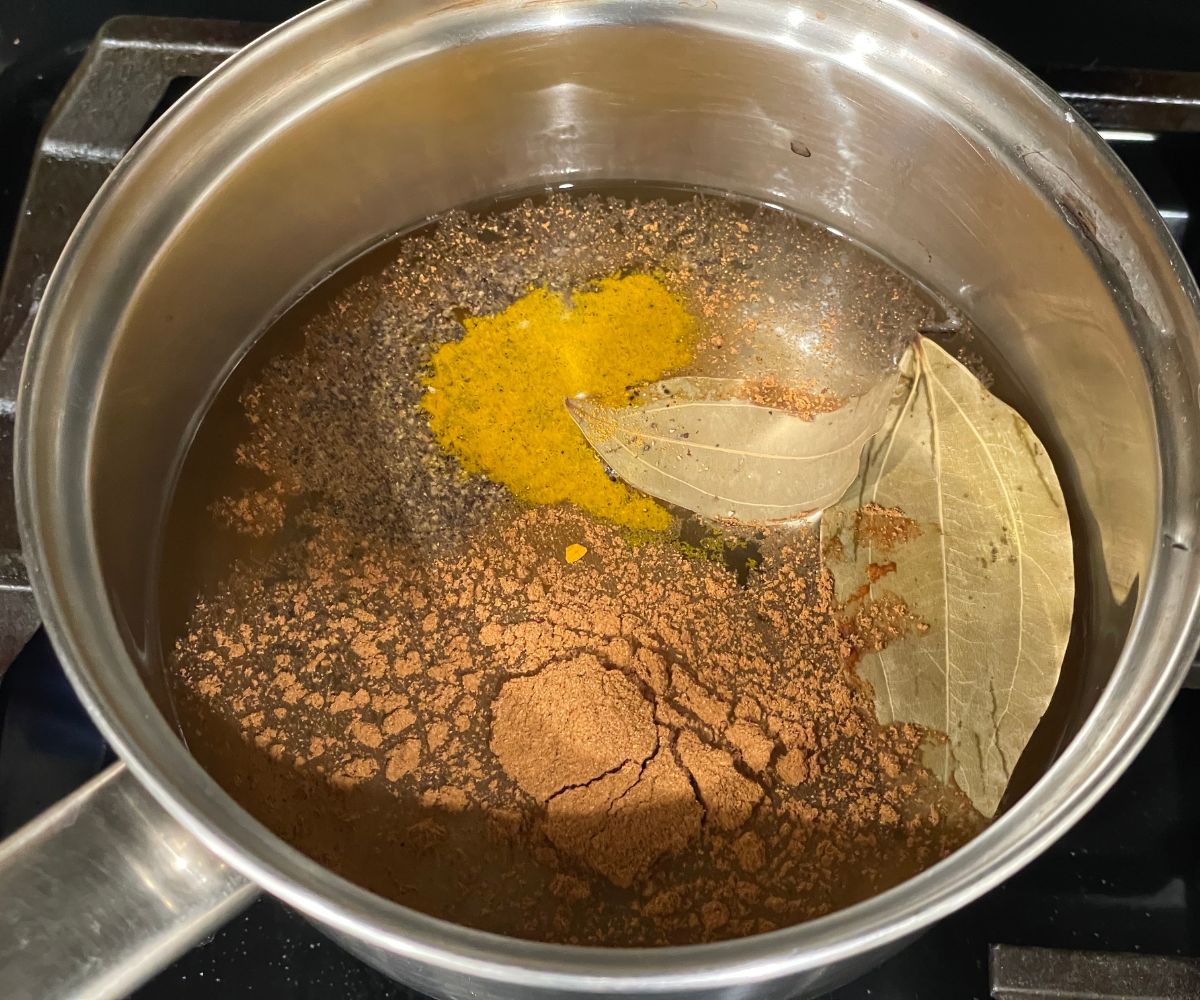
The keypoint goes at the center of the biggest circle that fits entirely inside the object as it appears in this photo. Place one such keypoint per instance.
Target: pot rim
(1111, 736)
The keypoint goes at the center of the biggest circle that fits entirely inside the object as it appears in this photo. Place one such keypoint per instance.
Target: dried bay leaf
(700, 444)
(989, 570)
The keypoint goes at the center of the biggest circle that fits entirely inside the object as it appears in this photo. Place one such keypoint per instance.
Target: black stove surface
(1125, 880)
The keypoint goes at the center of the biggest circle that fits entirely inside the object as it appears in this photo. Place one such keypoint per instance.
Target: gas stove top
(1112, 910)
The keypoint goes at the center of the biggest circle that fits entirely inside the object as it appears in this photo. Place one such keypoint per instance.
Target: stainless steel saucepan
(360, 117)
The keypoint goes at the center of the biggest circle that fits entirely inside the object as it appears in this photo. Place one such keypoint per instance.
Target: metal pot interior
(366, 118)
(390, 140)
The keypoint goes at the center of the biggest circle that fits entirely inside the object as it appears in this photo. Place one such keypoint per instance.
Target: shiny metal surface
(103, 890)
(113, 93)
(1046, 973)
(1146, 100)
(360, 118)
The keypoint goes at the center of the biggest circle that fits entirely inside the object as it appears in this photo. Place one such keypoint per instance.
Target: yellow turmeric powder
(495, 397)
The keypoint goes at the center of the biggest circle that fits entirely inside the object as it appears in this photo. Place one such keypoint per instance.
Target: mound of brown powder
(627, 749)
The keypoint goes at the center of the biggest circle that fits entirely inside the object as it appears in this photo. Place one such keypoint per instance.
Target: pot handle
(103, 890)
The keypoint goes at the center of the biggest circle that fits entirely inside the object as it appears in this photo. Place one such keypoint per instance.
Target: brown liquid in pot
(393, 666)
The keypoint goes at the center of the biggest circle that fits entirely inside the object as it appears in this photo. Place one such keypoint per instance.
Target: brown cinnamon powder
(804, 400)
(398, 670)
(633, 749)
(885, 527)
